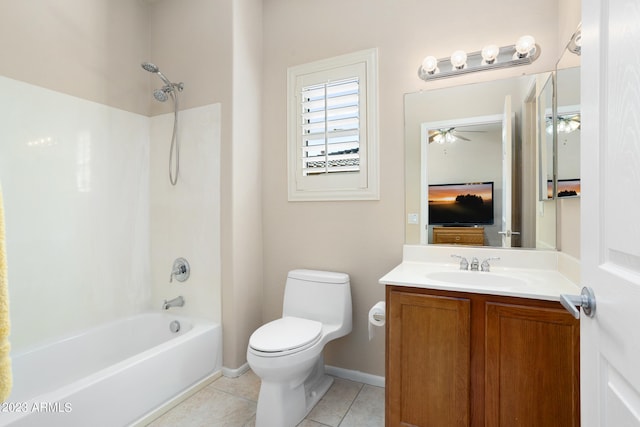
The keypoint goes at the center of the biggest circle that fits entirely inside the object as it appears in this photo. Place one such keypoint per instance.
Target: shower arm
(164, 79)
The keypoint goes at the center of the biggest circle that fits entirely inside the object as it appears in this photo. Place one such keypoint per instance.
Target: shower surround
(75, 176)
(92, 227)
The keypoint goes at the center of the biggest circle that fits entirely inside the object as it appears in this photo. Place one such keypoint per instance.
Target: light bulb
(573, 126)
(449, 137)
(525, 45)
(550, 128)
(490, 53)
(575, 44)
(459, 59)
(562, 125)
(430, 65)
(578, 39)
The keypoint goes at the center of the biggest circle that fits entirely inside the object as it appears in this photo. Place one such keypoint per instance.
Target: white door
(610, 205)
(507, 162)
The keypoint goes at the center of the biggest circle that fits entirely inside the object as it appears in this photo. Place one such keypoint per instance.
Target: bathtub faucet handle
(180, 270)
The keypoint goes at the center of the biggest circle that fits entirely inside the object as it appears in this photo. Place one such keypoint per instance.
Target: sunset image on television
(461, 203)
(568, 187)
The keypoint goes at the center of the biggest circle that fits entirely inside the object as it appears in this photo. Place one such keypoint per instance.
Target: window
(332, 120)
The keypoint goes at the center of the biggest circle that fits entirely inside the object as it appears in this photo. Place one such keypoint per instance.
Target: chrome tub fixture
(180, 270)
(176, 302)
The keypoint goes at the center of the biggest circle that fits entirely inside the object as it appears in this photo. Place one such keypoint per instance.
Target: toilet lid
(285, 334)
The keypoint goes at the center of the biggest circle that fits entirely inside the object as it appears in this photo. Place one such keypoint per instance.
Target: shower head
(160, 95)
(148, 66)
(169, 88)
(153, 68)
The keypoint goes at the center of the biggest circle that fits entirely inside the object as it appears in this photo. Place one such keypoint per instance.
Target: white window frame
(362, 185)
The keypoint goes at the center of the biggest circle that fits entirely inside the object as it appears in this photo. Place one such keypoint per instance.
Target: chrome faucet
(485, 264)
(176, 302)
(474, 264)
(464, 264)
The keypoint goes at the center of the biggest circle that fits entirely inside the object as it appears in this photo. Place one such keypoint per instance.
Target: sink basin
(475, 278)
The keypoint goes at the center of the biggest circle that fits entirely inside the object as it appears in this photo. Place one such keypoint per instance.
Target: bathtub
(112, 375)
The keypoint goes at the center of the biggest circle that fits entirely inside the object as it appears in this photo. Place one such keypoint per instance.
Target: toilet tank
(319, 295)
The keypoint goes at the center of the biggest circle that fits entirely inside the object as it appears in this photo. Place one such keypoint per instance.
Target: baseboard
(234, 373)
(361, 377)
(347, 374)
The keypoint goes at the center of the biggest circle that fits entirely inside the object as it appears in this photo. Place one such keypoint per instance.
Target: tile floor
(231, 402)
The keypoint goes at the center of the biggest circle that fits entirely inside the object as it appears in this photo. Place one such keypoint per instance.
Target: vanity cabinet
(462, 359)
(459, 235)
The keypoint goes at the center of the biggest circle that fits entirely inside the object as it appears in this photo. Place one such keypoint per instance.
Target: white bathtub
(111, 375)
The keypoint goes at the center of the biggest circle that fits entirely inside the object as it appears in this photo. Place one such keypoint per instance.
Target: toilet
(287, 353)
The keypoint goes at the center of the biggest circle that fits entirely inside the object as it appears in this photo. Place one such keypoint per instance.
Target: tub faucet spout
(176, 302)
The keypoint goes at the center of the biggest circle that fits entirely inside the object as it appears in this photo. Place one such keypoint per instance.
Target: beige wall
(569, 226)
(190, 41)
(91, 49)
(242, 292)
(365, 239)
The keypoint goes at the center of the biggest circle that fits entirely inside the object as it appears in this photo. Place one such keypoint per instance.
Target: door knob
(586, 300)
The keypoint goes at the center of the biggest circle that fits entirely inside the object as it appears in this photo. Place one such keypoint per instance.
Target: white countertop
(544, 281)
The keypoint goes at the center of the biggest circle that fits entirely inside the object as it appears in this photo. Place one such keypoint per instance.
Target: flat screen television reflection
(464, 204)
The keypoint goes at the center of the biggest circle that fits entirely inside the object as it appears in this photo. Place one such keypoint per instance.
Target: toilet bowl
(287, 353)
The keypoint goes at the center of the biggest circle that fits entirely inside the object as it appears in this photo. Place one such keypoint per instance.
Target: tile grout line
(235, 395)
(351, 405)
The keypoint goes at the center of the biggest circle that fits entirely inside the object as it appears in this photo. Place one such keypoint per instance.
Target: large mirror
(568, 129)
(567, 121)
(471, 162)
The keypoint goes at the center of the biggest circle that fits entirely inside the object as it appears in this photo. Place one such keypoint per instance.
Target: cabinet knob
(586, 300)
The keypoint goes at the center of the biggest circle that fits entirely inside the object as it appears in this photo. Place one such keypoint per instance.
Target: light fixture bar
(507, 57)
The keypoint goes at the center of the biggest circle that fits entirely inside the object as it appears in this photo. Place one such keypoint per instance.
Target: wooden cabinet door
(428, 359)
(532, 367)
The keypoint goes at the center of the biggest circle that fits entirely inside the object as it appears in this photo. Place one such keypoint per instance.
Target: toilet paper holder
(378, 316)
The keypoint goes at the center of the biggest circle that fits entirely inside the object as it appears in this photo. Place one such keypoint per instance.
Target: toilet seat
(285, 336)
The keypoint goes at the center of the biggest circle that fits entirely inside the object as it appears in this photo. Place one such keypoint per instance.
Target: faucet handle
(180, 270)
(485, 264)
(464, 264)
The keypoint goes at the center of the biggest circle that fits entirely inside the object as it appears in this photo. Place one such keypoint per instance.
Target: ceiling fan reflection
(448, 135)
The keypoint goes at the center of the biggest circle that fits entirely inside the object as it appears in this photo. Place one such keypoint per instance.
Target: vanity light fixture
(575, 44)
(523, 52)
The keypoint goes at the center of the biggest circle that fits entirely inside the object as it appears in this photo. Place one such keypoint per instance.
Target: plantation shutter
(330, 128)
